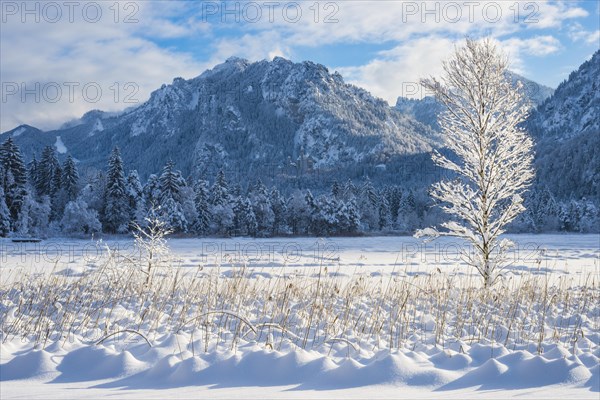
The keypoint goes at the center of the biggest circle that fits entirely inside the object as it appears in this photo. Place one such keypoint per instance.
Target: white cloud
(397, 72)
(577, 33)
(49, 55)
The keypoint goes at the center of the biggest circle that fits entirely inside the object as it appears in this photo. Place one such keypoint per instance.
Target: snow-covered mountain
(287, 121)
(427, 109)
(274, 117)
(567, 130)
(574, 107)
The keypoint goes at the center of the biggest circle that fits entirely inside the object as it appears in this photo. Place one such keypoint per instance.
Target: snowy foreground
(376, 317)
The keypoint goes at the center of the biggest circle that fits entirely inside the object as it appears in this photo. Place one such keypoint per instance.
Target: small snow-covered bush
(79, 219)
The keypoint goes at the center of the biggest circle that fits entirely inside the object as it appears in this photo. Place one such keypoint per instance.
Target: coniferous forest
(49, 197)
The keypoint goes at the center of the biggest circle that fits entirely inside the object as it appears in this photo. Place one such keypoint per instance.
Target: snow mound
(36, 364)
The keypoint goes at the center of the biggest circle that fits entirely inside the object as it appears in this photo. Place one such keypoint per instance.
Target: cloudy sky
(60, 59)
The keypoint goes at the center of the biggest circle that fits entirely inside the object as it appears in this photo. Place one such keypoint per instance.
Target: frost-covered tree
(324, 218)
(407, 220)
(14, 177)
(368, 202)
(4, 215)
(350, 190)
(36, 216)
(172, 214)
(310, 214)
(244, 220)
(221, 206)
(336, 190)
(79, 219)
(385, 216)
(219, 194)
(152, 192)
(32, 171)
(12, 161)
(492, 153)
(203, 218)
(116, 208)
(56, 183)
(70, 179)
(261, 204)
(93, 193)
(47, 168)
(188, 206)
(169, 183)
(170, 187)
(280, 212)
(349, 218)
(298, 213)
(135, 195)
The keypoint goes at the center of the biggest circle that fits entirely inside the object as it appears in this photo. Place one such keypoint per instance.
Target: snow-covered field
(377, 317)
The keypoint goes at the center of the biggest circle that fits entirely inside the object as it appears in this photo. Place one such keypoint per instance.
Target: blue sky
(382, 46)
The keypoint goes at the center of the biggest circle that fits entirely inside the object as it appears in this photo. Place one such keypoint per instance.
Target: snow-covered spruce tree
(221, 205)
(32, 171)
(47, 167)
(70, 179)
(336, 190)
(263, 210)
(12, 161)
(116, 208)
(202, 223)
(369, 206)
(152, 192)
(135, 195)
(493, 154)
(4, 214)
(244, 220)
(171, 211)
(311, 212)
(14, 177)
(280, 213)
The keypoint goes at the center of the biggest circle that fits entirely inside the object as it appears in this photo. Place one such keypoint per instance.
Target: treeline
(47, 197)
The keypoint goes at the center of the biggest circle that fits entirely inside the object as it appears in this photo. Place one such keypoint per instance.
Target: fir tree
(220, 191)
(171, 213)
(14, 178)
(116, 209)
(12, 161)
(312, 210)
(221, 207)
(32, 172)
(4, 214)
(135, 195)
(369, 206)
(350, 190)
(279, 207)
(56, 183)
(152, 192)
(202, 223)
(244, 220)
(47, 168)
(70, 179)
(336, 190)
(385, 220)
(261, 204)
(169, 183)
